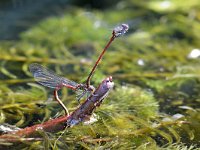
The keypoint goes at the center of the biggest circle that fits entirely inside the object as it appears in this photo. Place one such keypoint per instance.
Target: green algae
(154, 78)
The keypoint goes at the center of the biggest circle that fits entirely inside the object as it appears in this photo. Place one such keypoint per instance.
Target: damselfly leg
(60, 102)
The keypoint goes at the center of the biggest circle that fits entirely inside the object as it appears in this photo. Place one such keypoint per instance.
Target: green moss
(154, 78)
(133, 100)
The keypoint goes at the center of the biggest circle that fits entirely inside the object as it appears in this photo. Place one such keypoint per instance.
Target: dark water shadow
(18, 15)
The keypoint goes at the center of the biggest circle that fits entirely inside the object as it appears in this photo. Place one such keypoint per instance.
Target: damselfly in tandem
(49, 79)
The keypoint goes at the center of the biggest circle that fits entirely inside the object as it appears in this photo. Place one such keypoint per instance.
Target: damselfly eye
(120, 30)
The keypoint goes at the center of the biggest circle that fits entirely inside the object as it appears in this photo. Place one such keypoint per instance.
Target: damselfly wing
(49, 79)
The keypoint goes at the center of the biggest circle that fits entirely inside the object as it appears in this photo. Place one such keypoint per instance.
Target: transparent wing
(48, 78)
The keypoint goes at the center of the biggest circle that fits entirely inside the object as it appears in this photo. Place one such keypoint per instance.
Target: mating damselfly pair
(49, 79)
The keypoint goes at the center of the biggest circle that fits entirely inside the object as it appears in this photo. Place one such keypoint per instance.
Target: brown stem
(53, 125)
(81, 114)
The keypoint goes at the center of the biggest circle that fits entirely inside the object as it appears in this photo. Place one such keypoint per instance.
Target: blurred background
(155, 66)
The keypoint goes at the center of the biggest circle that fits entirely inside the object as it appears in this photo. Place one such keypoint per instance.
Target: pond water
(155, 102)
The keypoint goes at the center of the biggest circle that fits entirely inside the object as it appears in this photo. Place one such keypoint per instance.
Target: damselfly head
(109, 79)
(108, 82)
(120, 30)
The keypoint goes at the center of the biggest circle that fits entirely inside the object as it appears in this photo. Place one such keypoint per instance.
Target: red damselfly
(49, 79)
(118, 31)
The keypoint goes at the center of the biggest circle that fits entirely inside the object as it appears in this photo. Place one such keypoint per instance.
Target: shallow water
(155, 67)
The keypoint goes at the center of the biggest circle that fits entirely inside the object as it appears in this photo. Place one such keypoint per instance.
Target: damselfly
(49, 79)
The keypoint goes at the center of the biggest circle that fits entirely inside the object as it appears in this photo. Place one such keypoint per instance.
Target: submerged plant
(154, 104)
(84, 111)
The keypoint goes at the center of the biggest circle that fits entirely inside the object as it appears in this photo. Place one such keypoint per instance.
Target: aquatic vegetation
(155, 103)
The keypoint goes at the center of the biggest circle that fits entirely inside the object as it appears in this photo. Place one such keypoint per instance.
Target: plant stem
(81, 114)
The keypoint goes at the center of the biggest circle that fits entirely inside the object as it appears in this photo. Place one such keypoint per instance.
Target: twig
(81, 114)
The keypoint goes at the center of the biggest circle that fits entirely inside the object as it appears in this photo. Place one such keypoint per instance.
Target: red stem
(53, 125)
(81, 114)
